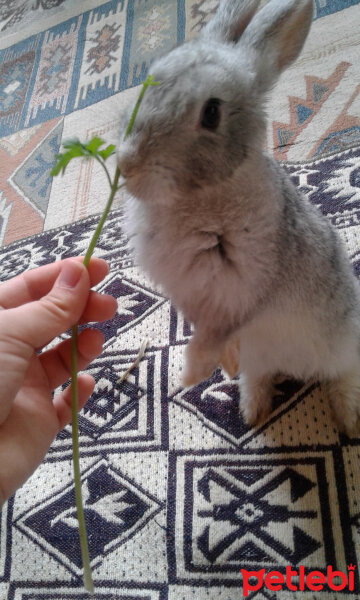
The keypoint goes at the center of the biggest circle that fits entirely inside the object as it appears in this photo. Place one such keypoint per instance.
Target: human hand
(35, 307)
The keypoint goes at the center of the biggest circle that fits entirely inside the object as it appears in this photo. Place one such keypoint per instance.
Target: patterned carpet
(179, 494)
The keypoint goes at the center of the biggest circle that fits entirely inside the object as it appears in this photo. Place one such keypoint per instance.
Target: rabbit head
(200, 123)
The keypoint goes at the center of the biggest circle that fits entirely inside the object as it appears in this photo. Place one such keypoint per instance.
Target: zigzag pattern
(303, 110)
(342, 133)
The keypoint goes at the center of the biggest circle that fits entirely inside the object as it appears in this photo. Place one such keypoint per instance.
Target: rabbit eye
(211, 114)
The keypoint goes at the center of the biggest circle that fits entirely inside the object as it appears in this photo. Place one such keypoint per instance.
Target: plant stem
(148, 81)
(102, 163)
(87, 578)
(95, 237)
(88, 582)
(114, 186)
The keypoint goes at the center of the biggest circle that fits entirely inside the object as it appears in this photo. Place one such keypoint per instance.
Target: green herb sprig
(91, 150)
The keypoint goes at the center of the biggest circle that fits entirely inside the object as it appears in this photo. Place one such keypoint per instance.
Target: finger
(33, 324)
(62, 402)
(100, 307)
(36, 283)
(57, 361)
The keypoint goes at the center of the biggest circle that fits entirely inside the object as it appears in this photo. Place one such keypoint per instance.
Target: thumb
(38, 322)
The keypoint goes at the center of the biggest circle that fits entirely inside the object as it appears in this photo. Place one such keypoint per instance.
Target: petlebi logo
(314, 581)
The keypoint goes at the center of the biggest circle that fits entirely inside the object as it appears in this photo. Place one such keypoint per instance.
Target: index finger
(36, 283)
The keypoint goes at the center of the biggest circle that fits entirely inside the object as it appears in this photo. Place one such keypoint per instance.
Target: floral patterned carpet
(179, 494)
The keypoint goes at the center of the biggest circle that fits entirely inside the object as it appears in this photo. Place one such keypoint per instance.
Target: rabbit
(259, 272)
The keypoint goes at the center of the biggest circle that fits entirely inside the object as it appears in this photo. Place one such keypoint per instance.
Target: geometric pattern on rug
(155, 30)
(15, 78)
(32, 177)
(253, 512)
(199, 13)
(102, 54)
(77, 63)
(70, 593)
(12, 14)
(25, 161)
(84, 60)
(315, 108)
(344, 131)
(128, 415)
(217, 399)
(53, 80)
(135, 302)
(333, 184)
(5, 540)
(302, 110)
(115, 510)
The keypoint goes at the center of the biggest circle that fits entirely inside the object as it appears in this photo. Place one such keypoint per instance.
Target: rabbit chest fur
(262, 276)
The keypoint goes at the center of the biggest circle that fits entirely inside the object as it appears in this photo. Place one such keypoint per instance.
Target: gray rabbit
(262, 276)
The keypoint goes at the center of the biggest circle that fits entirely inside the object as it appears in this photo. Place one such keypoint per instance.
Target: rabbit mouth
(133, 184)
(150, 185)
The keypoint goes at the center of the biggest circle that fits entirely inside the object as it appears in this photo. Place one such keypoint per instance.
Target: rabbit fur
(259, 272)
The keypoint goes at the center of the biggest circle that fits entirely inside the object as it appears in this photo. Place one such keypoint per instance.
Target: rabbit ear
(276, 35)
(231, 19)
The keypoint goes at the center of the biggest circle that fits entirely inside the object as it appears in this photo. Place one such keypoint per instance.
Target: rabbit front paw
(200, 362)
(344, 395)
(229, 360)
(255, 399)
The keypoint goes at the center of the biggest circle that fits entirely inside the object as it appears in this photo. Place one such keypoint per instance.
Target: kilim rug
(179, 494)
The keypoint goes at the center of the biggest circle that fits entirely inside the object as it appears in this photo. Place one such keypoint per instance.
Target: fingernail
(70, 274)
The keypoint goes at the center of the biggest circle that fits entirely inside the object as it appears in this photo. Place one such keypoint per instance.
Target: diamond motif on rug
(114, 406)
(115, 510)
(32, 178)
(119, 415)
(218, 399)
(135, 303)
(5, 538)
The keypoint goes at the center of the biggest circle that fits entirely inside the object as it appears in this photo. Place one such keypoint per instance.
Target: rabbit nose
(126, 168)
(126, 163)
